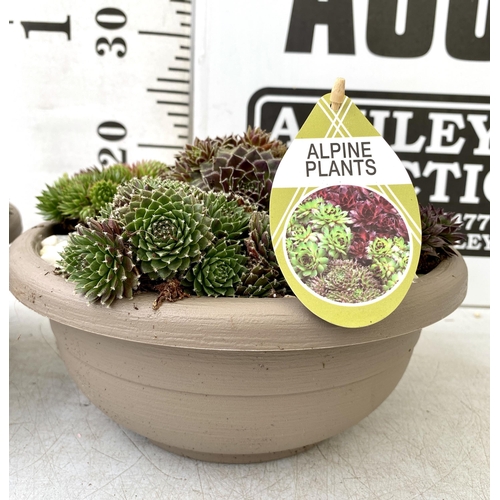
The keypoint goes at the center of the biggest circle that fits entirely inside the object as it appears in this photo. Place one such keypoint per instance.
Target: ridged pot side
(233, 406)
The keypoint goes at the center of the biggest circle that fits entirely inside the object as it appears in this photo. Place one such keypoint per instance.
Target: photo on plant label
(347, 244)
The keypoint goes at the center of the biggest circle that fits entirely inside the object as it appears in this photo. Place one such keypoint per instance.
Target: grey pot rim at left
(15, 223)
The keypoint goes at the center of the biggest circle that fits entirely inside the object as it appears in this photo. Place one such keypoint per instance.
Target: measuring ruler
(173, 91)
(95, 83)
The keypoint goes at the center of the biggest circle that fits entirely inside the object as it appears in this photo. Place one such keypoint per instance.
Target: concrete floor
(429, 440)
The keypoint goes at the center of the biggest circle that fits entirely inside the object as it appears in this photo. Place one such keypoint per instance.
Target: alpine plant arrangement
(201, 227)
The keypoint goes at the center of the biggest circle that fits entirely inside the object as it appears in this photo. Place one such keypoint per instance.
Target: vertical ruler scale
(94, 83)
(173, 91)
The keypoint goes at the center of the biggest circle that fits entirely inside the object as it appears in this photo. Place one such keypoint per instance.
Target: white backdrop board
(90, 83)
(418, 69)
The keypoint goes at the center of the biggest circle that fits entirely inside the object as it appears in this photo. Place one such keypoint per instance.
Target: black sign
(461, 40)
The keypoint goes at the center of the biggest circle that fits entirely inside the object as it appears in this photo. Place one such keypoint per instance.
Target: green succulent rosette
(99, 261)
(117, 173)
(91, 189)
(168, 230)
(101, 193)
(262, 280)
(219, 272)
(89, 192)
(74, 202)
(149, 168)
(49, 200)
(230, 219)
(134, 189)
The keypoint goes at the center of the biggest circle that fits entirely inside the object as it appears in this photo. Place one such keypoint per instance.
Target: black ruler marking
(165, 91)
(160, 146)
(175, 103)
(180, 69)
(163, 33)
(173, 80)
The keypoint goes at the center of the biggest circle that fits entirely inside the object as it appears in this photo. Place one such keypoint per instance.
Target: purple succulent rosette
(348, 244)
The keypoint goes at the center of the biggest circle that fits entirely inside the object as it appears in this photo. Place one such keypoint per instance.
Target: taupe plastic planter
(15, 223)
(229, 379)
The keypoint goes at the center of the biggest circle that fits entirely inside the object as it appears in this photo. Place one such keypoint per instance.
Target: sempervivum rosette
(440, 233)
(88, 193)
(230, 216)
(263, 277)
(100, 194)
(90, 189)
(136, 186)
(100, 263)
(49, 201)
(240, 165)
(262, 280)
(191, 158)
(149, 168)
(168, 230)
(73, 201)
(241, 171)
(219, 272)
(189, 161)
(262, 140)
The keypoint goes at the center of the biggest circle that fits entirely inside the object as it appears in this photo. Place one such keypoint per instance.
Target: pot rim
(214, 323)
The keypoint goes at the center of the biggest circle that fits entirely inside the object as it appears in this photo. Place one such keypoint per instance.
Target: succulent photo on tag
(347, 244)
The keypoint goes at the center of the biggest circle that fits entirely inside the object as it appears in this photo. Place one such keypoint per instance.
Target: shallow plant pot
(229, 379)
(15, 223)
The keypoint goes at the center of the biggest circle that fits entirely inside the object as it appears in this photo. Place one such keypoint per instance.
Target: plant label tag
(345, 219)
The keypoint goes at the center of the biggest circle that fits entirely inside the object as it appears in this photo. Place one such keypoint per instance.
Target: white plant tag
(344, 216)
